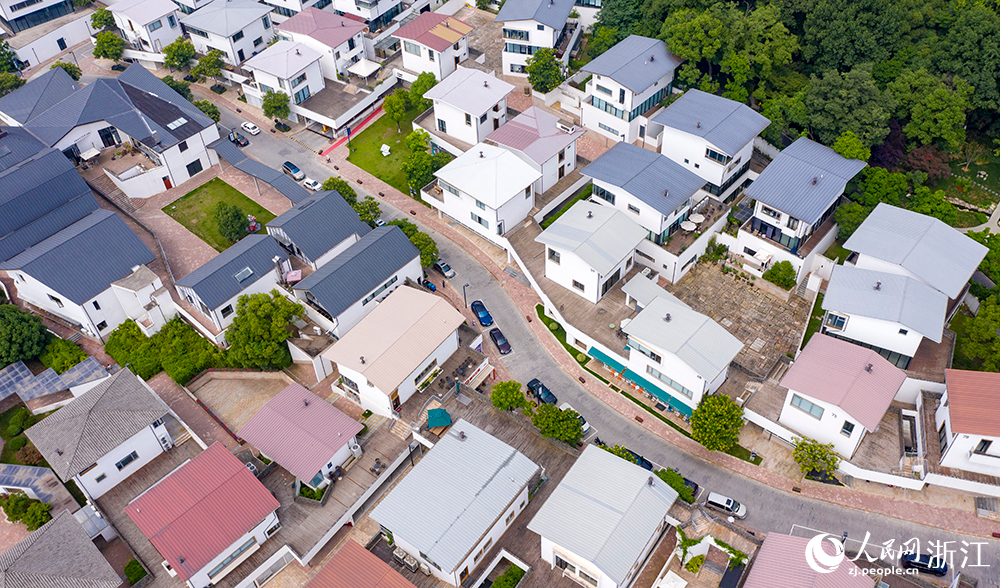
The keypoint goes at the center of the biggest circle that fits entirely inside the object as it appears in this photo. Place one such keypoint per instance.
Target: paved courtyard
(234, 397)
(484, 40)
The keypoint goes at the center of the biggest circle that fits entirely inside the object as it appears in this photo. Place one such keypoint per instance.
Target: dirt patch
(234, 397)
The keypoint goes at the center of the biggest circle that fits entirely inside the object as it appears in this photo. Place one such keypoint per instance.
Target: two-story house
(711, 136)
(530, 25)
(339, 39)
(968, 423)
(65, 25)
(467, 106)
(435, 43)
(487, 189)
(318, 229)
(794, 201)
(238, 28)
(286, 67)
(543, 141)
(629, 80)
(149, 25)
(80, 445)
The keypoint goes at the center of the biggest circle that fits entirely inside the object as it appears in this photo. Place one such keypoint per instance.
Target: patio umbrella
(696, 218)
(438, 417)
(688, 225)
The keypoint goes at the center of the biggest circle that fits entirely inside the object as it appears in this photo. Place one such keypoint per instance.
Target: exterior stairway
(103, 185)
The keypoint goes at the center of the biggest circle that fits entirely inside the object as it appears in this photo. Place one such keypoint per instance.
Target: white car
(250, 128)
(584, 425)
(312, 184)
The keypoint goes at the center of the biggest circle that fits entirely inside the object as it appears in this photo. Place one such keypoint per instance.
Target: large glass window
(602, 89)
(516, 34)
(520, 49)
(379, 290)
(127, 460)
(232, 557)
(302, 95)
(299, 80)
(603, 194)
(716, 156)
(411, 47)
(668, 381)
(633, 344)
(806, 406)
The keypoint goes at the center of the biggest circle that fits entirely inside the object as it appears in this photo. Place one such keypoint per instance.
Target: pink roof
(300, 431)
(201, 509)
(835, 371)
(781, 561)
(972, 402)
(434, 30)
(326, 27)
(534, 132)
(356, 567)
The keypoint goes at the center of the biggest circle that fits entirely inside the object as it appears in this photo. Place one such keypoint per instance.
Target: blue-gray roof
(226, 17)
(82, 260)
(552, 13)
(215, 282)
(38, 95)
(725, 123)
(647, 175)
(246, 164)
(17, 145)
(635, 62)
(18, 379)
(787, 183)
(361, 268)
(317, 224)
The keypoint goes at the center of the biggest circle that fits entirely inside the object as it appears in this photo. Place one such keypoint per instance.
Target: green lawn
(366, 154)
(837, 251)
(988, 165)
(970, 218)
(974, 195)
(196, 210)
(960, 324)
(815, 319)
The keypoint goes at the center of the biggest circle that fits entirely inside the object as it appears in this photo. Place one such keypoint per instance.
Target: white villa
(238, 28)
(543, 141)
(468, 105)
(339, 39)
(968, 422)
(287, 67)
(435, 43)
(530, 25)
(149, 25)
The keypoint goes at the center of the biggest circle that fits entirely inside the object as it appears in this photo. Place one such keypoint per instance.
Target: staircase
(402, 429)
(801, 290)
(103, 185)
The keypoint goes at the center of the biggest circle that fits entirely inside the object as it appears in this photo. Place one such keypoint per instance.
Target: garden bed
(196, 211)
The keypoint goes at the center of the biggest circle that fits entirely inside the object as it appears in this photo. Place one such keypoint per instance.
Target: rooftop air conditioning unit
(356, 450)
(566, 126)
(426, 570)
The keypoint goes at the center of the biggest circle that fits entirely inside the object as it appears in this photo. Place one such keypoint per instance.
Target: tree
(8, 59)
(936, 108)
(29, 455)
(419, 170)
(108, 45)
(880, 185)
(971, 151)
(395, 107)
(784, 112)
(15, 505)
(9, 82)
(840, 34)
(676, 481)
(209, 108)
(622, 452)
(562, 425)
(508, 396)
(258, 333)
(179, 54)
(208, 66)
(71, 68)
(813, 456)
(368, 210)
(275, 104)
(102, 19)
(982, 341)
(231, 221)
(409, 229)
(850, 146)
(849, 217)
(716, 422)
(417, 141)
(427, 247)
(698, 38)
(545, 72)
(891, 150)
(37, 515)
(602, 40)
(60, 355)
(927, 159)
(22, 335)
(341, 186)
(781, 274)
(624, 16)
(759, 47)
(419, 87)
(848, 102)
(933, 204)
(180, 86)
(969, 50)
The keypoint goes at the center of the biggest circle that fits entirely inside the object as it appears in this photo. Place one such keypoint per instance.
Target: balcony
(433, 190)
(681, 239)
(804, 247)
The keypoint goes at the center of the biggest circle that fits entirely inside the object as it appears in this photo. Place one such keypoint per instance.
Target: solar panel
(742, 213)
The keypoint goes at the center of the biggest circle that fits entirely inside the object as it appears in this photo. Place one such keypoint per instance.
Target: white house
(543, 141)
(435, 43)
(38, 30)
(206, 517)
(530, 25)
(468, 105)
(189, 6)
(603, 519)
(629, 80)
(838, 392)
(899, 241)
(343, 291)
(795, 197)
(487, 189)
(328, 228)
(254, 265)
(238, 28)
(379, 14)
(968, 426)
(389, 353)
(149, 25)
(339, 39)
(79, 444)
(888, 313)
(711, 136)
(480, 485)
(286, 67)
(590, 248)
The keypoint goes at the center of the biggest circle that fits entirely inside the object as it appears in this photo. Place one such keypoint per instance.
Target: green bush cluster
(307, 492)
(695, 564)
(134, 571)
(60, 355)
(176, 349)
(510, 578)
(781, 274)
(676, 481)
(18, 442)
(33, 513)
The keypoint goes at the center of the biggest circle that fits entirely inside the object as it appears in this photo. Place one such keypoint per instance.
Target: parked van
(726, 505)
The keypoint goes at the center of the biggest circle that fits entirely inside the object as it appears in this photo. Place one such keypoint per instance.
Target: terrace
(804, 247)
(709, 208)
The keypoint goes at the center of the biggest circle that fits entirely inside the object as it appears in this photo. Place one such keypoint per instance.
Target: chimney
(447, 25)
(342, 24)
(651, 59)
(666, 193)
(156, 138)
(362, 360)
(461, 435)
(667, 318)
(878, 285)
(590, 214)
(59, 452)
(650, 481)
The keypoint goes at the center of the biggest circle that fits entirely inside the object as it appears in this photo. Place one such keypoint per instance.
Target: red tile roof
(300, 431)
(201, 509)
(356, 567)
(781, 561)
(434, 30)
(835, 371)
(326, 27)
(972, 402)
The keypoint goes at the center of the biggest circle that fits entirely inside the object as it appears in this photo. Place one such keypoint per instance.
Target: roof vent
(3, 133)
(650, 481)
(447, 25)
(59, 452)
(666, 193)
(667, 317)
(878, 285)
(481, 156)
(342, 24)
(651, 59)
(698, 125)
(461, 435)
(486, 84)
(180, 559)
(362, 360)
(868, 368)
(590, 214)
(815, 179)
(305, 401)
(297, 51)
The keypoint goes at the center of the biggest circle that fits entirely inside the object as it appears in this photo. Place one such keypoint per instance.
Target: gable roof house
(603, 519)
(237, 28)
(781, 560)
(343, 291)
(353, 566)
(480, 483)
(543, 141)
(339, 39)
(318, 228)
(149, 25)
(105, 435)
(467, 106)
(532, 24)
(434, 42)
(288, 67)
(206, 517)
(26, 102)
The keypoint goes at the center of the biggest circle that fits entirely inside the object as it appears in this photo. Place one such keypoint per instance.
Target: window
(194, 167)
(127, 460)
(554, 256)
(20, 277)
(480, 205)
(696, 166)
(903, 332)
(588, 578)
(564, 565)
(379, 290)
(430, 55)
(836, 321)
(155, 25)
(468, 119)
(770, 212)
(411, 47)
(182, 146)
(716, 156)
(516, 34)
(232, 557)
(429, 560)
(480, 220)
(196, 32)
(228, 310)
(633, 209)
(302, 95)
(349, 383)
(482, 119)
(448, 187)
(171, 21)
(793, 223)
(608, 129)
(97, 306)
(510, 518)
(527, 192)
(237, 36)
(25, 4)
(578, 285)
(102, 325)
(562, 156)
(267, 22)
(424, 372)
(521, 50)
(541, 27)
(633, 344)
(603, 194)
(101, 478)
(603, 90)
(273, 529)
(848, 429)
(351, 44)
(983, 446)
(442, 126)
(299, 79)
(668, 381)
(806, 406)
(455, 47)
(621, 95)
(258, 41)
(58, 302)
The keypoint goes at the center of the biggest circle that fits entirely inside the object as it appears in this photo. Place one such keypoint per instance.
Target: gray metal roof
(17, 145)
(38, 95)
(82, 260)
(226, 17)
(279, 181)
(647, 175)
(704, 345)
(635, 62)
(787, 182)
(926, 247)
(600, 235)
(215, 282)
(726, 124)
(359, 269)
(283, 60)
(470, 90)
(58, 555)
(445, 505)
(605, 510)
(899, 299)
(18, 379)
(91, 425)
(548, 12)
(644, 290)
(318, 223)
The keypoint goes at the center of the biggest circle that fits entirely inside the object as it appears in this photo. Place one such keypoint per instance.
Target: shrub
(781, 274)
(14, 429)
(60, 355)
(18, 442)
(15, 505)
(37, 515)
(22, 335)
(134, 571)
(553, 326)
(307, 492)
(176, 349)
(231, 221)
(695, 564)
(510, 578)
(676, 481)
(581, 357)
(20, 416)
(29, 455)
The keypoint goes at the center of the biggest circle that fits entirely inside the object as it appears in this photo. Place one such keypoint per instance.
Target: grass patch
(960, 323)
(988, 165)
(974, 195)
(969, 218)
(836, 251)
(365, 151)
(196, 210)
(560, 334)
(585, 193)
(815, 320)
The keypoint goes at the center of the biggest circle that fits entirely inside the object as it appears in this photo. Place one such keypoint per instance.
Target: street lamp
(74, 58)
(464, 298)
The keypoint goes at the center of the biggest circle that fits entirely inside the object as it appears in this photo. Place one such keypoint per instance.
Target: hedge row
(176, 349)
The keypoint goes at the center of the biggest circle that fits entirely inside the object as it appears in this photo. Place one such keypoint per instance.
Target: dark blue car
(541, 392)
(924, 563)
(485, 319)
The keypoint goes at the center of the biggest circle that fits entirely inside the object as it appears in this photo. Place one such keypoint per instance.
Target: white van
(726, 505)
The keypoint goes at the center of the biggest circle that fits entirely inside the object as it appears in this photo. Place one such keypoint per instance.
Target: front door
(496, 124)
(166, 182)
(456, 61)
(109, 136)
(395, 399)
(562, 171)
(240, 55)
(61, 42)
(464, 574)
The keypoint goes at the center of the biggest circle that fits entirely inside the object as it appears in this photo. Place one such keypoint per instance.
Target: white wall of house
(647, 216)
(674, 267)
(672, 367)
(138, 182)
(880, 333)
(623, 99)
(189, 6)
(538, 36)
(335, 59)
(572, 273)
(9, 14)
(463, 206)
(312, 84)
(551, 167)
(690, 151)
(223, 315)
(971, 453)
(47, 46)
(551, 550)
(146, 444)
(259, 534)
(256, 36)
(420, 58)
(152, 35)
(366, 9)
(826, 429)
(281, 237)
(468, 126)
